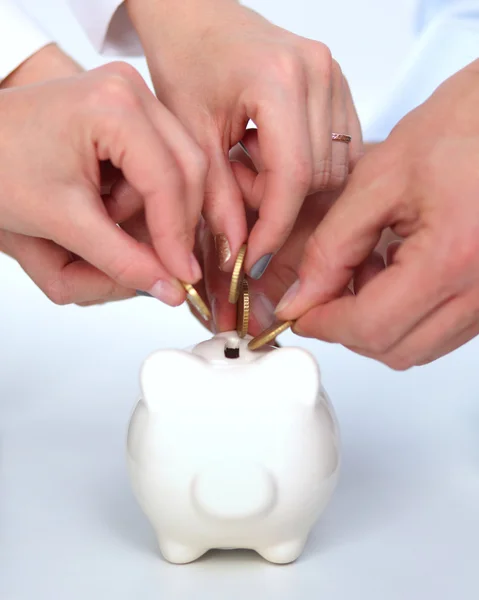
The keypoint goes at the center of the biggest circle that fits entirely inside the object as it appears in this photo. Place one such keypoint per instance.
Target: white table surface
(403, 524)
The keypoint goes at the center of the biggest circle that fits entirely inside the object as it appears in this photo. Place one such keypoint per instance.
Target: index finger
(345, 238)
(285, 175)
(386, 309)
(135, 146)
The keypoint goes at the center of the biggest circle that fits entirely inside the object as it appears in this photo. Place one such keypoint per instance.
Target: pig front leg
(285, 552)
(179, 554)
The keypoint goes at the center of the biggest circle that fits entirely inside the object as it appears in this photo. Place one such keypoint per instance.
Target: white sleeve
(108, 26)
(448, 43)
(20, 37)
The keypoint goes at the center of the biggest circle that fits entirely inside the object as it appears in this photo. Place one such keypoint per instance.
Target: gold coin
(243, 310)
(197, 301)
(268, 335)
(237, 276)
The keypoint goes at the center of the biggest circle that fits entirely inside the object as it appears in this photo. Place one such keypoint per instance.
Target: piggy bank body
(232, 452)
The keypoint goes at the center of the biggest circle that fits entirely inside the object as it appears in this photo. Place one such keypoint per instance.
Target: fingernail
(288, 298)
(142, 293)
(166, 292)
(223, 250)
(263, 310)
(260, 266)
(195, 268)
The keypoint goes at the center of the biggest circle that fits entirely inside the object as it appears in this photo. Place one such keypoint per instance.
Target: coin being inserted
(268, 335)
(237, 276)
(242, 322)
(197, 301)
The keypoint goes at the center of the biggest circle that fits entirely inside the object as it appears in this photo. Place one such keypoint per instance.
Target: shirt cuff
(20, 38)
(108, 26)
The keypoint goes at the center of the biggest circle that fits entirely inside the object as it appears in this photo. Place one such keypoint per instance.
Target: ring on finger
(341, 137)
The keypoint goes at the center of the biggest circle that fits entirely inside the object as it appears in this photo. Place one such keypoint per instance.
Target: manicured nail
(223, 250)
(262, 310)
(195, 268)
(166, 292)
(260, 266)
(288, 298)
(142, 293)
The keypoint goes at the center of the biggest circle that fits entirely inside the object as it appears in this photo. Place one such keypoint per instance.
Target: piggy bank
(232, 448)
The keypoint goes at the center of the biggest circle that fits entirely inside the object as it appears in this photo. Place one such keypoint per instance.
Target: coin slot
(232, 348)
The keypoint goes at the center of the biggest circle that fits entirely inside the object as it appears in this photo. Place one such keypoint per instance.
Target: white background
(404, 523)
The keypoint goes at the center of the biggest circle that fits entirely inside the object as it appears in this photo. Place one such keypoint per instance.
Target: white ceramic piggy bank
(232, 452)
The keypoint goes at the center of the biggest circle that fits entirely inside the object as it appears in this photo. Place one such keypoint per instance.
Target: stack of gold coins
(243, 310)
(239, 295)
(237, 276)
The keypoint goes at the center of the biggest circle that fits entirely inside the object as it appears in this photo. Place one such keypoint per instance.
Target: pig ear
(294, 375)
(166, 376)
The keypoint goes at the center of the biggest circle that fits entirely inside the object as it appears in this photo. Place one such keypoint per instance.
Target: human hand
(61, 275)
(266, 292)
(111, 116)
(50, 62)
(217, 64)
(422, 182)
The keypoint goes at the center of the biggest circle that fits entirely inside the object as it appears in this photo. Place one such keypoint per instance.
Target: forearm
(172, 21)
(50, 62)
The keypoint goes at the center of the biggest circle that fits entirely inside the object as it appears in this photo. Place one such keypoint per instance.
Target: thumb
(342, 241)
(99, 241)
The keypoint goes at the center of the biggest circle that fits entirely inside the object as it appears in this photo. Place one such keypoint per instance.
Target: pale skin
(216, 64)
(389, 267)
(423, 183)
(283, 270)
(63, 194)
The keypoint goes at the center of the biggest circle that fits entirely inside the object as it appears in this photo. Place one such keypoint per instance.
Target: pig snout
(234, 490)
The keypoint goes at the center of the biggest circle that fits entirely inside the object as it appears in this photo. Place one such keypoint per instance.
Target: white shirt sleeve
(20, 37)
(108, 26)
(448, 41)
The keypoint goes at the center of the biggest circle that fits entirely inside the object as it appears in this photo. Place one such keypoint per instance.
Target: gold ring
(341, 137)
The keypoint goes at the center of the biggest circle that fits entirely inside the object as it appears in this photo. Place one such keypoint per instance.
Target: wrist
(176, 22)
(48, 63)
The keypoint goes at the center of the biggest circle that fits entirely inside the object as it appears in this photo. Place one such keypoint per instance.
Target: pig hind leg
(179, 554)
(283, 553)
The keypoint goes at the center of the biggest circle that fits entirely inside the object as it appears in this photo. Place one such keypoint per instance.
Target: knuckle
(59, 291)
(372, 335)
(123, 270)
(286, 67)
(398, 362)
(460, 255)
(114, 92)
(338, 176)
(162, 237)
(198, 166)
(336, 72)
(124, 70)
(323, 63)
(322, 176)
(302, 173)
